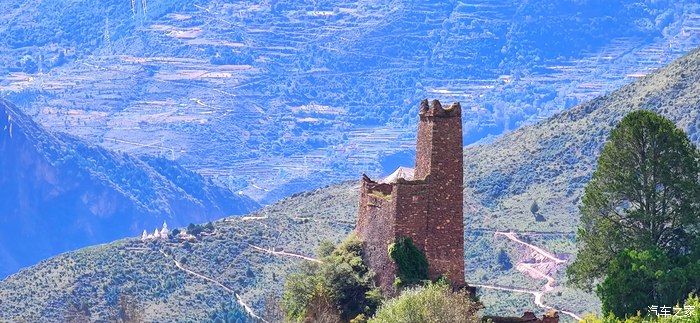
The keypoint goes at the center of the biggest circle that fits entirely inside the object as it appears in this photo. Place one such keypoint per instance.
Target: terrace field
(245, 260)
(272, 99)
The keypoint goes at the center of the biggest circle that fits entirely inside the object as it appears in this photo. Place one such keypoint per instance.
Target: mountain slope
(550, 161)
(59, 194)
(274, 97)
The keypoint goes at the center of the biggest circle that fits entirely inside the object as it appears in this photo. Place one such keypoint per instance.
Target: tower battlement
(435, 109)
(424, 204)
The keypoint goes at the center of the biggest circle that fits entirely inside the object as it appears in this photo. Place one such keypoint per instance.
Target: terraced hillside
(58, 193)
(548, 162)
(275, 97)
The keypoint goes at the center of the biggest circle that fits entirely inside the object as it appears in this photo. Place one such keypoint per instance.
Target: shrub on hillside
(229, 313)
(341, 286)
(325, 248)
(534, 208)
(504, 260)
(195, 229)
(435, 302)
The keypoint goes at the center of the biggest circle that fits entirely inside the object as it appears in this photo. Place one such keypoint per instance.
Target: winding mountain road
(284, 253)
(226, 288)
(544, 259)
(537, 294)
(511, 235)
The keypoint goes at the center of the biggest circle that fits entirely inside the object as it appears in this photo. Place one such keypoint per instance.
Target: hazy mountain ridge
(59, 193)
(275, 97)
(549, 161)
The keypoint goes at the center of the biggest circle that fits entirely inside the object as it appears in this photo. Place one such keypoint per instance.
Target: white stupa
(164, 232)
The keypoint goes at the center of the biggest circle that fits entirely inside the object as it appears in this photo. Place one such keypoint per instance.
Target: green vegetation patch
(640, 218)
(340, 288)
(435, 302)
(380, 195)
(687, 312)
(411, 264)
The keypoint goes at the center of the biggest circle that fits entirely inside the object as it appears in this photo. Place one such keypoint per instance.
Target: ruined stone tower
(424, 204)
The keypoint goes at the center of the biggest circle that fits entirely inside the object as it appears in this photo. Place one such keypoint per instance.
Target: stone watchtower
(424, 204)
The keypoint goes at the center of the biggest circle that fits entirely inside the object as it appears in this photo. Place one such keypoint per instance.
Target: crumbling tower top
(439, 142)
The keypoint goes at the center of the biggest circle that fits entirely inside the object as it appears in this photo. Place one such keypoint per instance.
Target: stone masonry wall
(428, 209)
(439, 159)
(375, 227)
(412, 212)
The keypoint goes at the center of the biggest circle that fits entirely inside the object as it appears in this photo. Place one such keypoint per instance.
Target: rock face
(427, 208)
(58, 193)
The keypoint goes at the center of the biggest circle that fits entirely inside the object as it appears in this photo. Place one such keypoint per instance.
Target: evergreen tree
(534, 208)
(643, 199)
(637, 279)
(504, 260)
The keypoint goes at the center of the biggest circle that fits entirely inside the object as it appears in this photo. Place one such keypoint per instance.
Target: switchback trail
(529, 233)
(543, 260)
(547, 254)
(226, 288)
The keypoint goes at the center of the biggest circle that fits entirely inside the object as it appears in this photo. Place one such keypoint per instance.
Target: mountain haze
(549, 162)
(58, 193)
(277, 97)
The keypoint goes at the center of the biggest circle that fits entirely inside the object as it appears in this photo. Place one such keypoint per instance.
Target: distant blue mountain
(58, 193)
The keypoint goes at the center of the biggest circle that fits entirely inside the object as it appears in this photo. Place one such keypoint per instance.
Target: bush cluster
(340, 288)
(434, 302)
(411, 264)
(637, 279)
